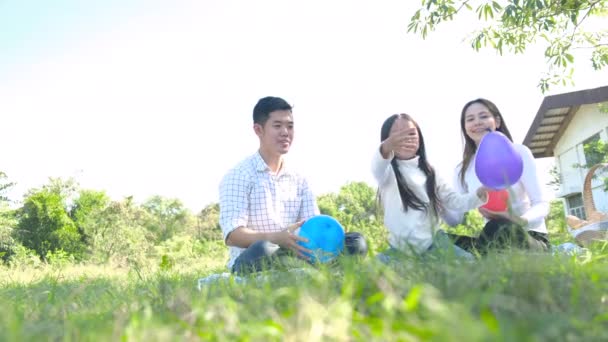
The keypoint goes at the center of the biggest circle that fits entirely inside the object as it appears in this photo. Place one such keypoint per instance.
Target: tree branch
(589, 47)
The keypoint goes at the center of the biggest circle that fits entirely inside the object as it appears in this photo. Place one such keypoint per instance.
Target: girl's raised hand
(402, 142)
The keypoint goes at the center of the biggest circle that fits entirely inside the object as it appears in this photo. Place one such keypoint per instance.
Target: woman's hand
(403, 143)
(503, 215)
(483, 193)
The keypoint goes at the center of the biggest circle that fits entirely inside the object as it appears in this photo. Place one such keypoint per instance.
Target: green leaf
(375, 298)
(272, 328)
(489, 12)
(411, 302)
(515, 24)
(539, 5)
(166, 263)
(479, 11)
(487, 316)
(497, 7)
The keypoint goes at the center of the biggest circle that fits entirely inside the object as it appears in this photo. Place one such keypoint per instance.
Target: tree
(208, 223)
(355, 207)
(512, 25)
(4, 186)
(472, 224)
(7, 220)
(44, 223)
(167, 217)
(86, 207)
(116, 232)
(556, 220)
(555, 178)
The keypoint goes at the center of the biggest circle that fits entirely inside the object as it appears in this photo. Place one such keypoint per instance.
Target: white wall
(586, 122)
(569, 149)
(571, 177)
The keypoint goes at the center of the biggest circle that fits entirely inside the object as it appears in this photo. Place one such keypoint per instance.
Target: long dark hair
(408, 198)
(469, 145)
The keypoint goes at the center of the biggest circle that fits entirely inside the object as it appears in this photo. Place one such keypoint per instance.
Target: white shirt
(413, 228)
(252, 196)
(527, 197)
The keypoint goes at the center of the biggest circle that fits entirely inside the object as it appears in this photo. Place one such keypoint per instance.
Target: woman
(410, 193)
(523, 225)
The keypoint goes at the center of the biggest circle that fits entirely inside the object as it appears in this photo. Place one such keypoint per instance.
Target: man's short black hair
(267, 105)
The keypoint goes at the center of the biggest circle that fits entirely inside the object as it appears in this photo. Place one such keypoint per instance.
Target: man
(263, 202)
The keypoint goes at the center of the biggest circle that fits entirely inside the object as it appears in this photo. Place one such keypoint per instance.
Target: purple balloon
(497, 164)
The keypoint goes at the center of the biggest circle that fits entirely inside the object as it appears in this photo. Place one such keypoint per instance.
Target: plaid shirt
(252, 196)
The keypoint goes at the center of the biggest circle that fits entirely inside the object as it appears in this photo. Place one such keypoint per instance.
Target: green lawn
(513, 296)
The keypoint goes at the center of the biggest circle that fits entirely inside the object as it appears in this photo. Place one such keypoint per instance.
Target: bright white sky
(155, 97)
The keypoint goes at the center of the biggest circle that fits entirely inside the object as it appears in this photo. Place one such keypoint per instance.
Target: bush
(59, 258)
(45, 226)
(117, 234)
(24, 257)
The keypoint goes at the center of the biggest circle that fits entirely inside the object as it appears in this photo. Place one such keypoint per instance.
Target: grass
(514, 296)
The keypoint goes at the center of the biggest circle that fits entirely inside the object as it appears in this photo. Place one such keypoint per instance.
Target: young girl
(523, 225)
(410, 193)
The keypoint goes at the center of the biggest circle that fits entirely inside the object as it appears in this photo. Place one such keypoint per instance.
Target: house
(563, 124)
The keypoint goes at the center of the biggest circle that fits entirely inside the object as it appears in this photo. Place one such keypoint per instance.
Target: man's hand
(287, 239)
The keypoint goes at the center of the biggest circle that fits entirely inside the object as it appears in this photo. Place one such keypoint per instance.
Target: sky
(143, 98)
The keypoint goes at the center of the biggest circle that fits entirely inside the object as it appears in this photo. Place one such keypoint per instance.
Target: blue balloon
(325, 238)
(497, 164)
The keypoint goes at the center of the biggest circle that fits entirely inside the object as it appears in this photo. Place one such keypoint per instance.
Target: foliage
(355, 207)
(44, 223)
(512, 25)
(24, 258)
(471, 225)
(4, 186)
(150, 293)
(62, 224)
(208, 223)
(59, 259)
(512, 296)
(86, 206)
(555, 178)
(167, 217)
(117, 233)
(597, 152)
(185, 249)
(556, 222)
(7, 226)
(7, 220)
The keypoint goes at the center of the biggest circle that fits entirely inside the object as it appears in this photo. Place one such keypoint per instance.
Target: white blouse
(527, 197)
(413, 228)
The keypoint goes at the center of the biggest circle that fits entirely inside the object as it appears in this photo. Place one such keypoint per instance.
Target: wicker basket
(595, 228)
